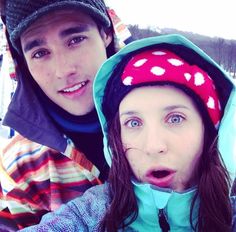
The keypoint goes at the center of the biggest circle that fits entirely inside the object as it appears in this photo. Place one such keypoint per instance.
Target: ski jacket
(40, 169)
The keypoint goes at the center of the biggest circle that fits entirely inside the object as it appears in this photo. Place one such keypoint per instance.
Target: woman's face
(162, 133)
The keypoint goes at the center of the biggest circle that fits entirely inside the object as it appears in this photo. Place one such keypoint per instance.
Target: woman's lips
(161, 178)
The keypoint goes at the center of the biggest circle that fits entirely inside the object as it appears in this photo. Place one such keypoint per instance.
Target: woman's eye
(40, 54)
(175, 119)
(133, 123)
(76, 40)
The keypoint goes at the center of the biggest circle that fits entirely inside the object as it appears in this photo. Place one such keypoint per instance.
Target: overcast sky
(206, 17)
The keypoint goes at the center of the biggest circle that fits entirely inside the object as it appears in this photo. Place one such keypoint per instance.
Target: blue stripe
(23, 155)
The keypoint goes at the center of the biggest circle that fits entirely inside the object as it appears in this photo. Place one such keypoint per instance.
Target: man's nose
(64, 66)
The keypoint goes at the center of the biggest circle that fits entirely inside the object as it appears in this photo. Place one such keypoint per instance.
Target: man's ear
(107, 37)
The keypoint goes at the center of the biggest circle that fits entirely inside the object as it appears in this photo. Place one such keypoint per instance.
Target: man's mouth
(74, 88)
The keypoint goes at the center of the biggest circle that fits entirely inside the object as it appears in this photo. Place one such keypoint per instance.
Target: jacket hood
(223, 82)
(26, 114)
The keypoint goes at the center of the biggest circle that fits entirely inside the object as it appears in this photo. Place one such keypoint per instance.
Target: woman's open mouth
(161, 178)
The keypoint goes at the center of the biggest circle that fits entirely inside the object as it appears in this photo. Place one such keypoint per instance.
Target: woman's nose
(156, 141)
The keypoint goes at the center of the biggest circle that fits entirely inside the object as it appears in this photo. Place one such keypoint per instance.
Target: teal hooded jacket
(151, 199)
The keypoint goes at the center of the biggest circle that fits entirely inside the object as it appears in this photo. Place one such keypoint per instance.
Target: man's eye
(40, 54)
(76, 40)
(175, 119)
(133, 123)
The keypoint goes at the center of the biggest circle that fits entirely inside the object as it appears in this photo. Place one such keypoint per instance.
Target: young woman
(164, 107)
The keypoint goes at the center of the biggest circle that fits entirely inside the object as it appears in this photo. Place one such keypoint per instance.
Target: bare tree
(219, 45)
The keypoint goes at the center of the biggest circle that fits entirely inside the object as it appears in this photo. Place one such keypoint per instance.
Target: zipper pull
(163, 221)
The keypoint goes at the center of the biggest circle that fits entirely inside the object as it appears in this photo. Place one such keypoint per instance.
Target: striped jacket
(40, 169)
(35, 179)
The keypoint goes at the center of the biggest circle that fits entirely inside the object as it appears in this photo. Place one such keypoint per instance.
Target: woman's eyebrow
(128, 113)
(167, 108)
(173, 107)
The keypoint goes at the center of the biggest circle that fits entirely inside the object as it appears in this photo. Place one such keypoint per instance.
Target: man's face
(63, 51)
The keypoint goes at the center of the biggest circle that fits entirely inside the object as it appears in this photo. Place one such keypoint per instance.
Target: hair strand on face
(123, 209)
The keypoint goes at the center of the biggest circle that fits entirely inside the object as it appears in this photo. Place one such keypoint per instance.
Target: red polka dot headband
(163, 65)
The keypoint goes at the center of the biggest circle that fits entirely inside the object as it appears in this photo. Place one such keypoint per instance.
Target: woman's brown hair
(213, 188)
(212, 179)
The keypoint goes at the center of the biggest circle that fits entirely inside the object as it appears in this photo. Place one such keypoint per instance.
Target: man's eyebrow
(31, 44)
(74, 30)
(39, 42)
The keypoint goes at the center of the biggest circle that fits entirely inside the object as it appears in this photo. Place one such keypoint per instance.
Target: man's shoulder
(18, 143)
(19, 147)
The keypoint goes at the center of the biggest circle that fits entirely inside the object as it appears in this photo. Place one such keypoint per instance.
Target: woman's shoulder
(92, 205)
(94, 198)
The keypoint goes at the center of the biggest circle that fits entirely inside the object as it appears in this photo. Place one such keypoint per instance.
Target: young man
(58, 154)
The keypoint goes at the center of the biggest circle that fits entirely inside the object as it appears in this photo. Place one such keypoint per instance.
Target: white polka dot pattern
(158, 71)
(198, 79)
(187, 76)
(175, 62)
(127, 80)
(140, 62)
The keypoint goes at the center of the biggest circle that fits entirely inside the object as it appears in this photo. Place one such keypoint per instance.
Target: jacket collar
(28, 117)
(176, 207)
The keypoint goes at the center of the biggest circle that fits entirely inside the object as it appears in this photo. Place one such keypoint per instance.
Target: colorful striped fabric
(35, 179)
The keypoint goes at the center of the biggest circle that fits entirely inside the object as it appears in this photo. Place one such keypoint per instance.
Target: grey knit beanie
(20, 14)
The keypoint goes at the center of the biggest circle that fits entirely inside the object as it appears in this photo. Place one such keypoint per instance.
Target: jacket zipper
(165, 227)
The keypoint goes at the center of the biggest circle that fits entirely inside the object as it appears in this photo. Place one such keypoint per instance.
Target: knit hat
(20, 14)
(159, 66)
